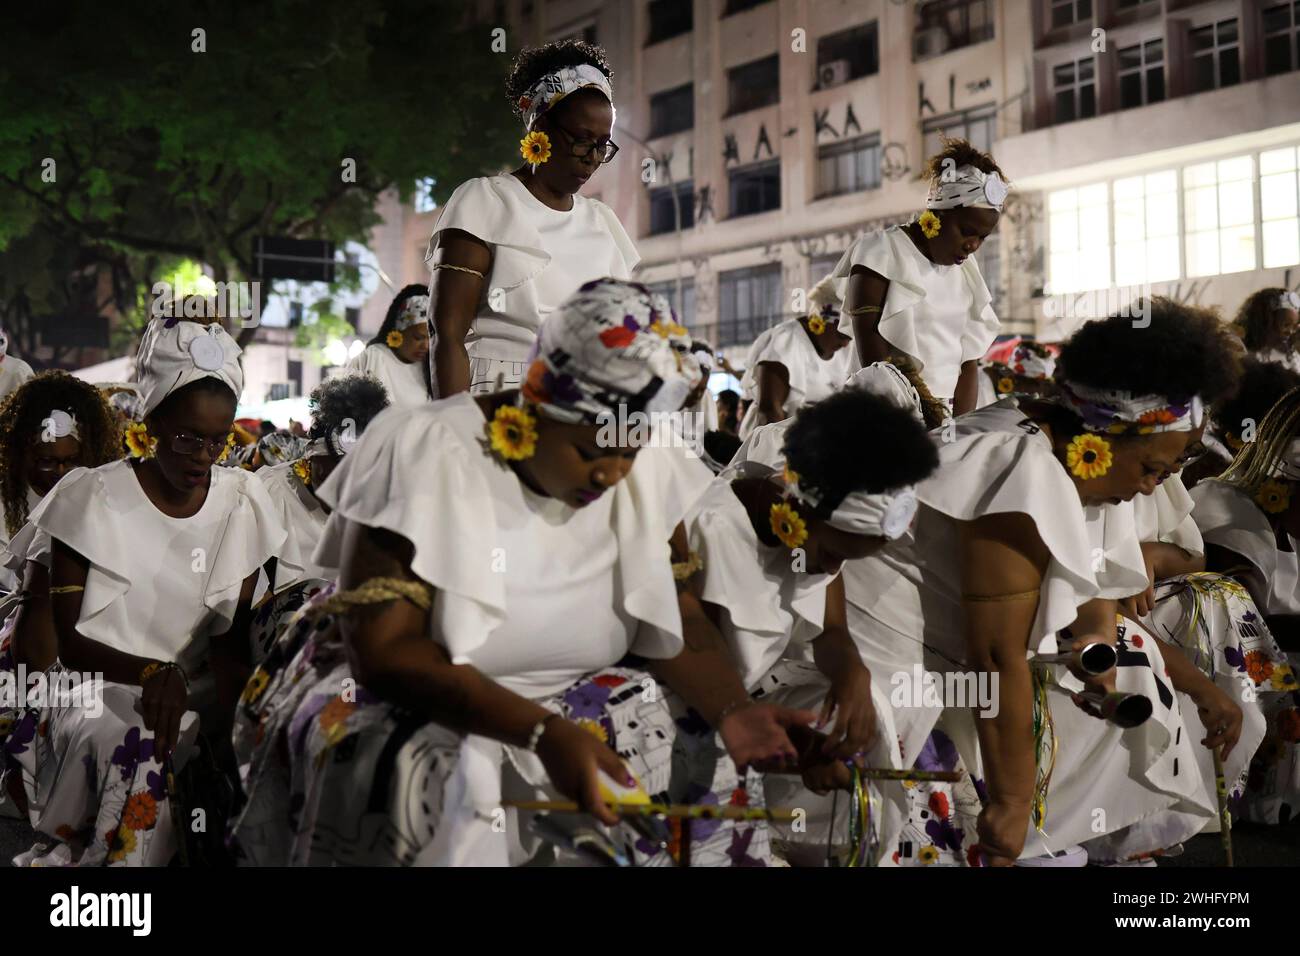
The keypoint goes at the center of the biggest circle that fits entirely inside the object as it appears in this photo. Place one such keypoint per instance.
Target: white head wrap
(337, 442)
(414, 311)
(885, 514)
(4, 343)
(172, 357)
(1287, 300)
(822, 299)
(968, 187)
(886, 381)
(611, 345)
(1117, 412)
(59, 424)
(553, 87)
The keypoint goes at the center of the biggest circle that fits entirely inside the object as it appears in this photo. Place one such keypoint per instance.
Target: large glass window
(669, 18)
(1146, 228)
(749, 301)
(1279, 200)
(848, 166)
(1079, 233)
(686, 311)
(663, 215)
(1066, 12)
(1282, 38)
(1219, 207)
(1215, 59)
(1074, 91)
(943, 25)
(847, 55)
(976, 125)
(754, 84)
(672, 111)
(1142, 74)
(755, 188)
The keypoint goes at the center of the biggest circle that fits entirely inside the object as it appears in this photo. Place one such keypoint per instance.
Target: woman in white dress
(13, 370)
(1268, 323)
(152, 574)
(508, 249)
(917, 290)
(341, 409)
(500, 561)
(800, 361)
(1250, 520)
(38, 447)
(1000, 564)
(771, 534)
(1029, 374)
(398, 354)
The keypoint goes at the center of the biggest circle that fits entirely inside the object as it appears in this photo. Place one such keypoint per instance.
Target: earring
(788, 525)
(139, 443)
(1088, 456)
(930, 224)
(512, 434)
(535, 148)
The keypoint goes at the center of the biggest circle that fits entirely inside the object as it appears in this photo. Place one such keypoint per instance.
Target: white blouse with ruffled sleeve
(303, 518)
(811, 377)
(1229, 518)
(403, 381)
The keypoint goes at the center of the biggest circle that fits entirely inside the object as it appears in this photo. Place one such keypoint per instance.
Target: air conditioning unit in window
(929, 42)
(832, 73)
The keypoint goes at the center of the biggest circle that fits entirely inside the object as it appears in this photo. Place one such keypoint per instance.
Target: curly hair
(348, 398)
(1258, 324)
(825, 446)
(535, 62)
(22, 417)
(1262, 386)
(962, 153)
(1183, 351)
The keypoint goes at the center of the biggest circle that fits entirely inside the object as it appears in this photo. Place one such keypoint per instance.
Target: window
(749, 301)
(755, 188)
(672, 111)
(295, 314)
(279, 391)
(1128, 4)
(848, 55)
(1145, 212)
(823, 265)
(686, 310)
(295, 376)
(1066, 12)
(1215, 62)
(352, 316)
(424, 201)
(1282, 38)
(1279, 190)
(1074, 91)
(662, 215)
(735, 6)
(753, 85)
(943, 25)
(848, 166)
(1219, 206)
(669, 18)
(1142, 74)
(976, 125)
(1079, 233)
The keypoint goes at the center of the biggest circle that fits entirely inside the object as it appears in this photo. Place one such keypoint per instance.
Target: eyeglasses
(189, 445)
(582, 148)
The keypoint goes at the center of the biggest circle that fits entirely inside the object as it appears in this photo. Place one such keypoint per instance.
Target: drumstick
(917, 776)
(678, 811)
(1225, 818)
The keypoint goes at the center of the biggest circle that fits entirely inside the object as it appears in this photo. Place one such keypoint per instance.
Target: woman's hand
(758, 736)
(573, 759)
(1221, 717)
(855, 714)
(164, 699)
(1002, 827)
(1144, 602)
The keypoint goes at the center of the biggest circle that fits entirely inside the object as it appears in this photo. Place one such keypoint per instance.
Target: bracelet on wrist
(734, 706)
(154, 668)
(539, 728)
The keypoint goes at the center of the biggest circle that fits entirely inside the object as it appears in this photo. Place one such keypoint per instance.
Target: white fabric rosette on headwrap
(611, 345)
(1287, 300)
(553, 87)
(884, 514)
(968, 186)
(174, 356)
(59, 424)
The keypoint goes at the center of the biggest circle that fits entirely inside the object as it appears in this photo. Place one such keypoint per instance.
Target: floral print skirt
(335, 775)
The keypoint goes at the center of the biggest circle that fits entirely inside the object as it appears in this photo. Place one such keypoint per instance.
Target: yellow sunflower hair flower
(394, 339)
(1274, 496)
(816, 324)
(1006, 385)
(512, 433)
(303, 471)
(139, 443)
(665, 329)
(535, 148)
(788, 526)
(930, 224)
(1088, 456)
(928, 855)
(230, 446)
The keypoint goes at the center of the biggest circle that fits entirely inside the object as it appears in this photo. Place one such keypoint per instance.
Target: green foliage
(325, 327)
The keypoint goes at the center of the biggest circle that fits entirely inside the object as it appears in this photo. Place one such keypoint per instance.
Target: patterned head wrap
(414, 311)
(969, 187)
(1030, 361)
(553, 87)
(1118, 413)
(279, 447)
(1287, 300)
(611, 345)
(128, 402)
(172, 357)
(885, 514)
